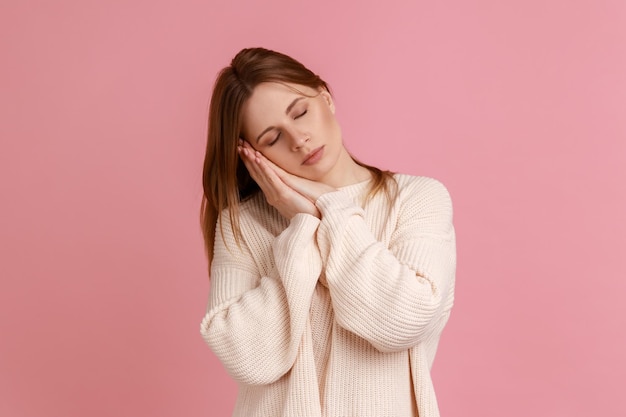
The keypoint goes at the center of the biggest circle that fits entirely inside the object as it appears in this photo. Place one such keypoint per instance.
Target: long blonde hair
(225, 179)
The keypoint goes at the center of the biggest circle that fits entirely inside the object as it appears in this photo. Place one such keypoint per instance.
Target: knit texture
(338, 317)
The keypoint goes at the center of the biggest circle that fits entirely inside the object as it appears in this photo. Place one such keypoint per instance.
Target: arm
(254, 324)
(393, 297)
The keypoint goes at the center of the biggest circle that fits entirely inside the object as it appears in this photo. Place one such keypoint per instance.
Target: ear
(328, 99)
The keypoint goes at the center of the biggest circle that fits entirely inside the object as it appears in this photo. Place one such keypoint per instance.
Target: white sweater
(338, 317)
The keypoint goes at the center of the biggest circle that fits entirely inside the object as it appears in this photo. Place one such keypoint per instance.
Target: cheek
(280, 158)
(331, 127)
(326, 121)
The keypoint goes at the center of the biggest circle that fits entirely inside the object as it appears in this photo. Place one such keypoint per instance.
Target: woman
(331, 281)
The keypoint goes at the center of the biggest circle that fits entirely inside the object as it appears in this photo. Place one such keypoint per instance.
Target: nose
(299, 140)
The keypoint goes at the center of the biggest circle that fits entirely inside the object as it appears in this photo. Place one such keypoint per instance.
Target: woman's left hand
(308, 188)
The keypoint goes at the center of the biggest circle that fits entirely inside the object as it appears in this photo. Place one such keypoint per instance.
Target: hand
(308, 188)
(278, 194)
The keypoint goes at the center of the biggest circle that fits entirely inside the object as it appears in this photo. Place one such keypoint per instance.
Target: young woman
(331, 280)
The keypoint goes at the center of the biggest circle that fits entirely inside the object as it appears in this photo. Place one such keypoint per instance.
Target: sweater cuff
(295, 250)
(297, 235)
(337, 210)
(336, 206)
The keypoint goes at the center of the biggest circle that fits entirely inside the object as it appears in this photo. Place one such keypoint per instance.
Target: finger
(245, 157)
(287, 177)
(279, 193)
(277, 177)
(264, 165)
(282, 174)
(247, 145)
(267, 179)
(250, 164)
(249, 151)
(311, 189)
(267, 168)
(270, 175)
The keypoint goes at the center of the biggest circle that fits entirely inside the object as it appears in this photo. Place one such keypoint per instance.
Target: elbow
(401, 341)
(393, 347)
(250, 366)
(257, 373)
(404, 333)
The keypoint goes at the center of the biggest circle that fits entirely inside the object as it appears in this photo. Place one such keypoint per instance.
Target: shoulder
(424, 195)
(424, 186)
(250, 207)
(253, 216)
(244, 235)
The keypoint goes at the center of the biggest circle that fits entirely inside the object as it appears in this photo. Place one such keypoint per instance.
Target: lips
(314, 156)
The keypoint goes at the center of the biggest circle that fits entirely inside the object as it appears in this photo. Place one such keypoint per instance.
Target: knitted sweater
(338, 317)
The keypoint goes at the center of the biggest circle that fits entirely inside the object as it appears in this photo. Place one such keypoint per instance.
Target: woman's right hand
(285, 199)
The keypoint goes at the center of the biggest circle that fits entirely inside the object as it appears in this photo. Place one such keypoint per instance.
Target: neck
(346, 172)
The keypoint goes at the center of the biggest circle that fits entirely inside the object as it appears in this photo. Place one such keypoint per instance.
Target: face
(295, 128)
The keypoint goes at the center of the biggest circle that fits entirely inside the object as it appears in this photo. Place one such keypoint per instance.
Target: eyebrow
(289, 107)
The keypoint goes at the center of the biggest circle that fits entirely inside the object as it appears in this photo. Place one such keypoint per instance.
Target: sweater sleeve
(394, 296)
(254, 324)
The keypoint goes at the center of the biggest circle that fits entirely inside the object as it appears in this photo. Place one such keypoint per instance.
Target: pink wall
(518, 107)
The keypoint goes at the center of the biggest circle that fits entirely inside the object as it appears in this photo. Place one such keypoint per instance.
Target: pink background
(519, 107)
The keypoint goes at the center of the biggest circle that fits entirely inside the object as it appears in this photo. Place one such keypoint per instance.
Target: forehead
(277, 94)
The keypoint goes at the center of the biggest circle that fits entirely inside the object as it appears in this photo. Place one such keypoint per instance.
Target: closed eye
(275, 140)
(279, 133)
